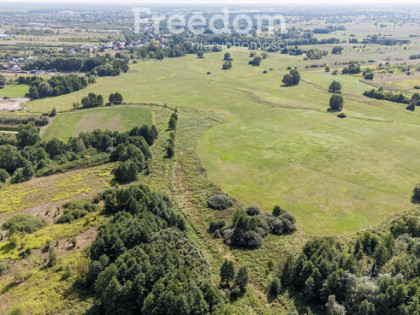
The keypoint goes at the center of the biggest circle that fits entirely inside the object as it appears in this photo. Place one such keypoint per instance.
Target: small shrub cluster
(23, 223)
(74, 210)
(380, 94)
(239, 279)
(249, 227)
(219, 202)
(292, 78)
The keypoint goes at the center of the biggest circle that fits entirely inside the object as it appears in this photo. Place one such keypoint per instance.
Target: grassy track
(119, 118)
(278, 144)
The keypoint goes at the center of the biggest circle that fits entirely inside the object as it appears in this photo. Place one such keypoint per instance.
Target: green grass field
(279, 145)
(119, 118)
(14, 91)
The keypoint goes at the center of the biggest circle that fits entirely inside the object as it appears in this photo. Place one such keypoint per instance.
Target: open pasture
(279, 145)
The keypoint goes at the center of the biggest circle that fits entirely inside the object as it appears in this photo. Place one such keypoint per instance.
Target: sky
(224, 2)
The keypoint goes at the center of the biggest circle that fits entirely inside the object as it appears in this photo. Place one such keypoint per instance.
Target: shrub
(369, 76)
(416, 193)
(219, 202)
(3, 175)
(216, 225)
(24, 223)
(74, 210)
(277, 211)
(274, 287)
(342, 115)
(253, 210)
(3, 268)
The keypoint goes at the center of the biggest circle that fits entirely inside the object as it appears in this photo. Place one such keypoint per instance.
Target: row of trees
(170, 142)
(380, 94)
(55, 86)
(98, 66)
(31, 156)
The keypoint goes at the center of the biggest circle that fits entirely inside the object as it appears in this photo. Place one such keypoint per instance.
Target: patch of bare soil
(13, 104)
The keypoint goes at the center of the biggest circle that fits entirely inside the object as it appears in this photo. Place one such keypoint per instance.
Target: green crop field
(279, 145)
(119, 118)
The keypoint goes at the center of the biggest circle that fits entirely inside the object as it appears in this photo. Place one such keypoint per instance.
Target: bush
(24, 223)
(342, 115)
(3, 268)
(274, 287)
(3, 175)
(219, 202)
(253, 210)
(369, 76)
(416, 193)
(216, 225)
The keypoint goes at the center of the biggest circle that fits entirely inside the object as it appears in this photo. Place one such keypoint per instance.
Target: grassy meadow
(279, 144)
(119, 118)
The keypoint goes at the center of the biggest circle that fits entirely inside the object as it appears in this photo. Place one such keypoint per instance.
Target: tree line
(98, 66)
(55, 86)
(33, 157)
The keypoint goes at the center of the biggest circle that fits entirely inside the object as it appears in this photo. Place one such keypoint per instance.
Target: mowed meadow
(277, 145)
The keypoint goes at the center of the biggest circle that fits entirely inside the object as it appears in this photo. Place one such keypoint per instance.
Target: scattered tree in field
(227, 57)
(53, 112)
(415, 101)
(368, 76)
(292, 78)
(227, 272)
(200, 54)
(227, 65)
(264, 55)
(52, 257)
(352, 68)
(416, 193)
(336, 102)
(313, 54)
(242, 278)
(256, 61)
(92, 100)
(274, 287)
(327, 69)
(337, 50)
(335, 87)
(115, 98)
